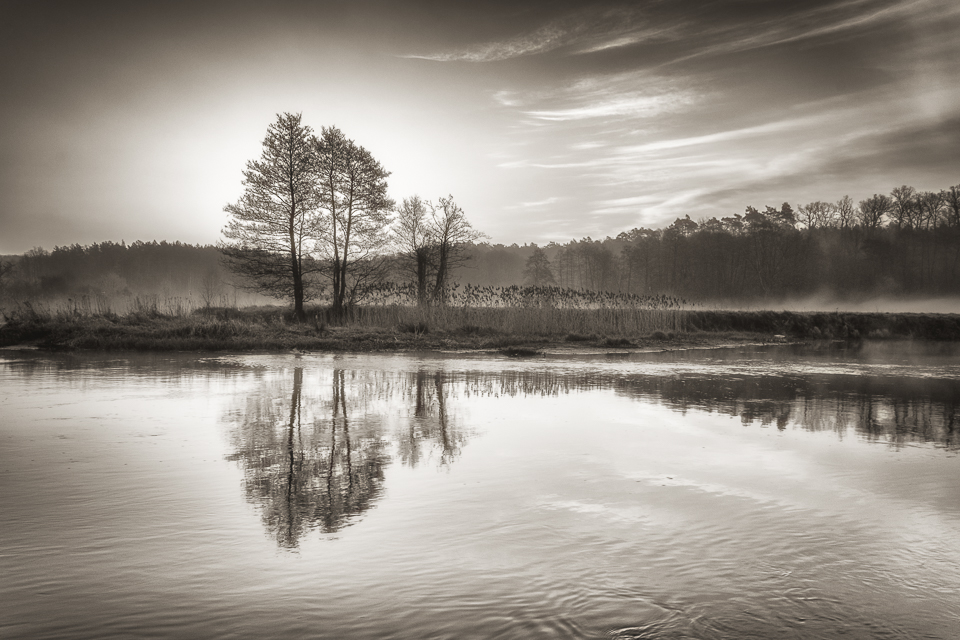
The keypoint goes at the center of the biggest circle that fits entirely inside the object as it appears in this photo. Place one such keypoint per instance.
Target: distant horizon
(545, 121)
(489, 241)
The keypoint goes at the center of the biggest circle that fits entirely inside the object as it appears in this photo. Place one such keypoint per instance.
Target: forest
(904, 245)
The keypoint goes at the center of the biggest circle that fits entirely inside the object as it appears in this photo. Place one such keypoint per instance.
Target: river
(768, 492)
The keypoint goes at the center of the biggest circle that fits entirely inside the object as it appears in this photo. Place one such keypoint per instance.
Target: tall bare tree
(353, 192)
(452, 232)
(416, 243)
(951, 198)
(845, 213)
(271, 229)
(816, 214)
(873, 209)
(931, 205)
(904, 206)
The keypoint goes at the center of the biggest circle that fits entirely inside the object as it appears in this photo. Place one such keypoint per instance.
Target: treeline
(116, 269)
(904, 244)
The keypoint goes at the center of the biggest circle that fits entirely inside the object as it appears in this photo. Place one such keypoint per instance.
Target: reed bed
(468, 317)
(544, 311)
(521, 297)
(105, 306)
(539, 321)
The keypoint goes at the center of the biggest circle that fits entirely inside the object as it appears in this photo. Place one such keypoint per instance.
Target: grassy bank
(395, 328)
(828, 325)
(372, 328)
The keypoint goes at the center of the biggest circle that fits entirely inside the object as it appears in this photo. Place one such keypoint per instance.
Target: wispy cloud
(637, 105)
(768, 128)
(635, 94)
(580, 32)
(546, 38)
(591, 31)
(806, 24)
(718, 173)
(537, 204)
(653, 205)
(629, 38)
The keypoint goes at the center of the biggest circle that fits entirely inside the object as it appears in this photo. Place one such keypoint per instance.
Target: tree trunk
(441, 274)
(298, 311)
(421, 278)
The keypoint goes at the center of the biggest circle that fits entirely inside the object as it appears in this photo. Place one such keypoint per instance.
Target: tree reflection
(895, 410)
(314, 458)
(431, 428)
(314, 453)
(303, 470)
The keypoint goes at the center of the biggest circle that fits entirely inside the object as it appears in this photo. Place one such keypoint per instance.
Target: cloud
(796, 158)
(580, 32)
(637, 105)
(728, 30)
(537, 204)
(652, 204)
(634, 94)
(766, 129)
(546, 38)
(630, 38)
(825, 20)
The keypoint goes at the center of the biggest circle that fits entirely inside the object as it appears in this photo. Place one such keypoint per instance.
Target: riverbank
(273, 329)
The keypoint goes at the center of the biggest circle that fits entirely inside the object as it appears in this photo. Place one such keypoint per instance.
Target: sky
(546, 121)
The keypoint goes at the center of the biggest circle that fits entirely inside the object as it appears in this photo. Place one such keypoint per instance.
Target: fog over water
(891, 304)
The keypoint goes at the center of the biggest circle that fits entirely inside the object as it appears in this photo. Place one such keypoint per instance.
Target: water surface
(779, 492)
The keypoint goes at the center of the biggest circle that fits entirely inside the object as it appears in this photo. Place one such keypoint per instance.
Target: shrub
(418, 328)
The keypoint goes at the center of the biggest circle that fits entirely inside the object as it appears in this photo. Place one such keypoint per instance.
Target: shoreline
(272, 330)
(347, 340)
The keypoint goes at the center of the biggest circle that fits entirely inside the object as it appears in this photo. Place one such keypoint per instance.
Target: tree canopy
(313, 210)
(274, 225)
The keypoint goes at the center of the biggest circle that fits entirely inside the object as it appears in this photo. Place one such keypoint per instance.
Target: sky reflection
(314, 443)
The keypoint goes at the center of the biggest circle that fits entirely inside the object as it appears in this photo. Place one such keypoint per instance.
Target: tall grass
(479, 317)
(523, 310)
(152, 324)
(541, 321)
(102, 305)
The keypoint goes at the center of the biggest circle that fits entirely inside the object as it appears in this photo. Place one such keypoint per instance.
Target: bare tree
(271, 229)
(873, 209)
(353, 192)
(452, 232)
(210, 286)
(845, 213)
(816, 214)
(904, 206)
(951, 199)
(416, 242)
(931, 206)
